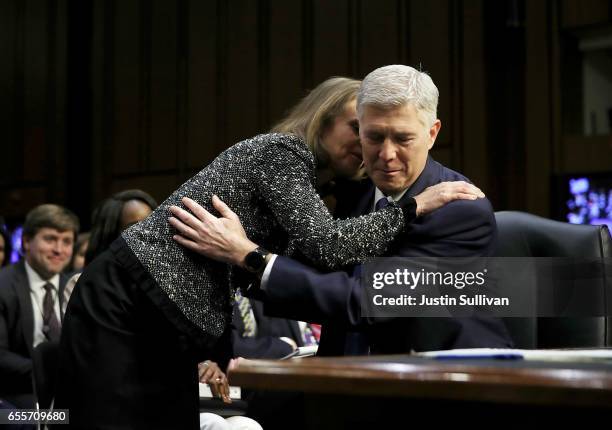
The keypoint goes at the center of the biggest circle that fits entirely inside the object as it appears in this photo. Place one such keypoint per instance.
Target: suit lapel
(21, 284)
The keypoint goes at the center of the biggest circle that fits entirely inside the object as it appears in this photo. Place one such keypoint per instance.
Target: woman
(78, 254)
(114, 215)
(148, 310)
(109, 219)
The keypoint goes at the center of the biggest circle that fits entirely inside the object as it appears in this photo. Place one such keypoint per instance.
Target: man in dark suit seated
(256, 335)
(31, 297)
(398, 126)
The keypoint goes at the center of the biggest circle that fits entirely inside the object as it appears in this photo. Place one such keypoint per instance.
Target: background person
(31, 296)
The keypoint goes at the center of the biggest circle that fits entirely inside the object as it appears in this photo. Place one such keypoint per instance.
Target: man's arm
(293, 290)
(296, 291)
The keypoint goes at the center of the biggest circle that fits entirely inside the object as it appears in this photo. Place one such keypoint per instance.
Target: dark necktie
(382, 203)
(51, 325)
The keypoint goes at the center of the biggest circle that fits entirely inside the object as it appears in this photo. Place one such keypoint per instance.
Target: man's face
(49, 251)
(395, 144)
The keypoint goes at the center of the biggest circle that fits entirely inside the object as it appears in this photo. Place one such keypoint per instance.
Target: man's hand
(209, 373)
(438, 195)
(221, 239)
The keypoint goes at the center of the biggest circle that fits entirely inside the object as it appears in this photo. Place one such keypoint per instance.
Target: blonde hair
(310, 117)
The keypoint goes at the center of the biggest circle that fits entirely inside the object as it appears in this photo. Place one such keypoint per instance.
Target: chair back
(521, 234)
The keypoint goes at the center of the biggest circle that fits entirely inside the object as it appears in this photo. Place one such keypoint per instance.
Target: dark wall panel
(201, 92)
(10, 87)
(288, 49)
(243, 71)
(164, 87)
(35, 56)
(128, 110)
(331, 47)
(377, 35)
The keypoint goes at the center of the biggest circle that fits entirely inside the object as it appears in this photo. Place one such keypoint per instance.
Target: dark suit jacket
(17, 330)
(461, 228)
(267, 343)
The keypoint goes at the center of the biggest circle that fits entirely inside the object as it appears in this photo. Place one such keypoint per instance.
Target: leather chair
(525, 235)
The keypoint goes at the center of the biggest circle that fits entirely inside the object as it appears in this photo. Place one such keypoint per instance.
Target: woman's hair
(399, 85)
(315, 112)
(7, 246)
(106, 220)
(78, 243)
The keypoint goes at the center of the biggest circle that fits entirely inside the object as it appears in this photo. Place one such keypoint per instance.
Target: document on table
(206, 393)
(601, 354)
(302, 351)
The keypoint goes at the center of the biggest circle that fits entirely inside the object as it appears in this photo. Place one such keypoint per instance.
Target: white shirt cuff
(266, 273)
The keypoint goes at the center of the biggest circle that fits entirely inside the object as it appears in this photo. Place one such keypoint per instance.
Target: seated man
(398, 126)
(256, 335)
(31, 297)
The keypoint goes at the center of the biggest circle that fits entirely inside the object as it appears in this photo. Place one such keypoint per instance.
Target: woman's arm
(285, 183)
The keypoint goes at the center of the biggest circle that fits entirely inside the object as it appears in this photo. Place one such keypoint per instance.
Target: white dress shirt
(37, 294)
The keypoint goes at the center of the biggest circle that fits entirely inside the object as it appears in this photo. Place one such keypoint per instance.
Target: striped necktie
(246, 313)
(51, 325)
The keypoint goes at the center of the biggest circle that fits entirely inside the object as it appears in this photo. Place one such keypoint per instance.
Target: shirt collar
(36, 282)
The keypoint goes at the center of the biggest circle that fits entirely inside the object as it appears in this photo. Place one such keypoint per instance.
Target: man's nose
(387, 151)
(57, 248)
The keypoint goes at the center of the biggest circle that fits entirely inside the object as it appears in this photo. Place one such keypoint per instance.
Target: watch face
(254, 260)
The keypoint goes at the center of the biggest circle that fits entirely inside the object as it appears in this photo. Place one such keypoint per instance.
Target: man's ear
(433, 132)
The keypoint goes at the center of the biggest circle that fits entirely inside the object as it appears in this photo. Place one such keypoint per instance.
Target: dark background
(103, 95)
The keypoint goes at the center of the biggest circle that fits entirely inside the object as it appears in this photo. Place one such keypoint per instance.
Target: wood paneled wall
(103, 95)
(32, 103)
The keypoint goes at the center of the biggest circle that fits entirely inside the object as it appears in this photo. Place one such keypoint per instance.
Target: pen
(509, 356)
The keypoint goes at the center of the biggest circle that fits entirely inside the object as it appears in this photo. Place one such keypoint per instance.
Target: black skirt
(128, 358)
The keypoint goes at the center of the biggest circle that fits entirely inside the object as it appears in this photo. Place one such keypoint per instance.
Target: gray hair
(398, 85)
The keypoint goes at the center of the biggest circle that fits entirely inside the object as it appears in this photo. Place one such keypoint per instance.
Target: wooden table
(510, 386)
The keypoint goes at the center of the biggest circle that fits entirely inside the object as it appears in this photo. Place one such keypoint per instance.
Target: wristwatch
(255, 261)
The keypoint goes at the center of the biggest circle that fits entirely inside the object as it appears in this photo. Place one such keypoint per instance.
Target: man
(398, 126)
(256, 335)
(31, 295)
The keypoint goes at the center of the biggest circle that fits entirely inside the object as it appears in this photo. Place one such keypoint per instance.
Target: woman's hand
(438, 195)
(221, 239)
(210, 373)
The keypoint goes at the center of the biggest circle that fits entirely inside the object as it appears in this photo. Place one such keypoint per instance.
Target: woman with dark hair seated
(114, 215)
(109, 219)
